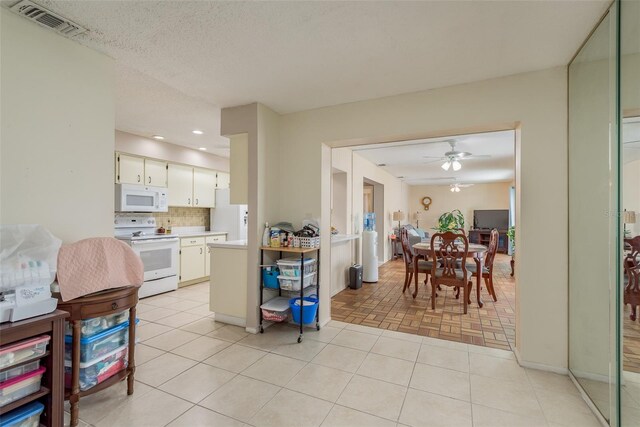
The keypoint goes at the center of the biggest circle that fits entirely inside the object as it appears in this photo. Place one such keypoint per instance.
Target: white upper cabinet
(129, 169)
(204, 188)
(180, 180)
(222, 180)
(155, 173)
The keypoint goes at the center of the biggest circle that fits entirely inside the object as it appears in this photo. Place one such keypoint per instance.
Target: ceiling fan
(453, 157)
(455, 188)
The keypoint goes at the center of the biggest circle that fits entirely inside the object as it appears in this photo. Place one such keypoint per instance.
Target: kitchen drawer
(88, 311)
(191, 241)
(218, 238)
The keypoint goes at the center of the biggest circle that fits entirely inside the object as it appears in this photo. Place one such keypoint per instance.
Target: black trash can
(355, 276)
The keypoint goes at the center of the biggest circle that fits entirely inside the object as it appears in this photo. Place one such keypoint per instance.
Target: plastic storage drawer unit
(96, 371)
(25, 416)
(19, 387)
(100, 344)
(96, 325)
(291, 267)
(293, 283)
(19, 370)
(23, 351)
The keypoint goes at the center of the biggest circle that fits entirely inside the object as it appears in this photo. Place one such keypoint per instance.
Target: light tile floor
(192, 371)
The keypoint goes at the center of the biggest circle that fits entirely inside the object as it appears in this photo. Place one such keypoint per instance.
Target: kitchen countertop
(338, 238)
(197, 234)
(229, 244)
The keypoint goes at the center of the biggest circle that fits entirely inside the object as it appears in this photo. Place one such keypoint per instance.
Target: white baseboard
(539, 366)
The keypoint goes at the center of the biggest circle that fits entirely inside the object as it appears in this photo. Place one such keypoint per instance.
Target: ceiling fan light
(456, 165)
(446, 165)
(457, 189)
(452, 189)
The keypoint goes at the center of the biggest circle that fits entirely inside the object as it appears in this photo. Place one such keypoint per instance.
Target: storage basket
(291, 267)
(25, 416)
(98, 345)
(276, 309)
(293, 283)
(270, 277)
(96, 371)
(23, 351)
(306, 242)
(19, 387)
(309, 310)
(96, 325)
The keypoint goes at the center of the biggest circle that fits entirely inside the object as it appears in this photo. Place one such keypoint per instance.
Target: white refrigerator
(230, 218)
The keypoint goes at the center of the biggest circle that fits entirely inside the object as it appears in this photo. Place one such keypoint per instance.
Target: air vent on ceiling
(46, 18)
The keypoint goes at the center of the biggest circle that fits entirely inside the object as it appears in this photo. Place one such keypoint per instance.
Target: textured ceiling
(199, 56)
(406, 160)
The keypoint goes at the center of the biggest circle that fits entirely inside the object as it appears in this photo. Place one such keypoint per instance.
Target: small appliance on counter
(233, 219)
(370, 249)
(159, 252)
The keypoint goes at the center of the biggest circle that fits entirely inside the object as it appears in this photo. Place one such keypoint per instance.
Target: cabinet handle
(200, 250)
(189, 201)
(196, 201)
(149, 180)
(138, 178)
(114, 306)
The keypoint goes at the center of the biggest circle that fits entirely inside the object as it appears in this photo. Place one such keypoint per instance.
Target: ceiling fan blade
(631, 142)
(431, 161)
(476, 156)
(434, 157)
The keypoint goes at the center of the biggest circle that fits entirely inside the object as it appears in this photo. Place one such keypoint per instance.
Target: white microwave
(140, 198)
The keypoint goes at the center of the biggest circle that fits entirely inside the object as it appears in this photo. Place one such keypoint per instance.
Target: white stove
(159, 252)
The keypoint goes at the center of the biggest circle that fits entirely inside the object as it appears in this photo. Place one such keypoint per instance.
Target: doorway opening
(418, 188)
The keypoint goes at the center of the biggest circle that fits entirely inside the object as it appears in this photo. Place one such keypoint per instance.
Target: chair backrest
(448, 249)
(407, 254)
(493, 248)
(631, 260)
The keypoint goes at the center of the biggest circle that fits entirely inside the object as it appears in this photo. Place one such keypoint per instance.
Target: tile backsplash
(183, 217)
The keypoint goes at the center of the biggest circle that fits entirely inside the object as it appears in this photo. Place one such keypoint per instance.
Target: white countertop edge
(230, 244)
(198, 234)
(338, 238)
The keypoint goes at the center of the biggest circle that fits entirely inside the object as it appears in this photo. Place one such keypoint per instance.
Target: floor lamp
(628, 218)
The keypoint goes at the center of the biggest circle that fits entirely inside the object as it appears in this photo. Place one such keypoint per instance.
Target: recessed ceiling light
(158, 137)
(197, 132)
(202, 149)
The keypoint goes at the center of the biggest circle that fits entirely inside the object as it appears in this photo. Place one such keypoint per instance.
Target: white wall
(533, 103)
(393, 200)
(57, 132)
(479, 196)
(141, 146)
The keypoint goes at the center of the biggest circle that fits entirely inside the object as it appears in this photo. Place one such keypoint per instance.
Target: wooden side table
(51, 392)
(395, 242)
(96, 305)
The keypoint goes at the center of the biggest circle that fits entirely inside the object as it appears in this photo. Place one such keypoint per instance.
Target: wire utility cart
(304, 254)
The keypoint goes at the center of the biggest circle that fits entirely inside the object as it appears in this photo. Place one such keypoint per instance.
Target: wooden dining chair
(487, 268)
(424, 266)
(632, 276)
(449, 250)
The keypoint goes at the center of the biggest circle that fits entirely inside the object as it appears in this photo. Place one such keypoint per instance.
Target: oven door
(159, 256)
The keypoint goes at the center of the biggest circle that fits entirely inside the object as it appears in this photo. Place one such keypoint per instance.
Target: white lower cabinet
(192, 256)
(195, 259)
(211, 239)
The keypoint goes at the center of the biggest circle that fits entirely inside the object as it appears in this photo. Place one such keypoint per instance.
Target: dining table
(475, 251)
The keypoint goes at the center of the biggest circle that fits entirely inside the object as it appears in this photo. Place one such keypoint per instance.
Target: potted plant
(450, 221)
